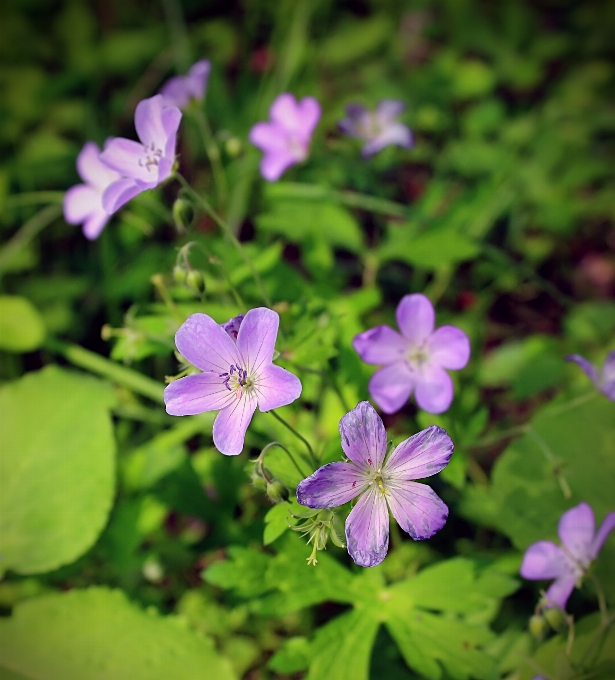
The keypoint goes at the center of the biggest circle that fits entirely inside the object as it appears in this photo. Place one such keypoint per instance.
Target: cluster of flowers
(125, 168)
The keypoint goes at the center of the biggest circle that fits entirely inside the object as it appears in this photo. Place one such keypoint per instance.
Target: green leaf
(57, 462)
(97, 633)
(21, 325)
(354, 40)
(293, 656)
(244, 572)
(278, 520)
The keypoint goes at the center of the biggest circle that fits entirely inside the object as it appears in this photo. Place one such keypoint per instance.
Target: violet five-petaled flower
(236, 376)
(83, 202)
(414, 359)
(567, 564)
(377, 128)
(603, 380)
(382, 482)
(181, 90)
(286, 139)
(145, 164)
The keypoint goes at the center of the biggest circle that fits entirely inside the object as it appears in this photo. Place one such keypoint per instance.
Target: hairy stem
(313, 459)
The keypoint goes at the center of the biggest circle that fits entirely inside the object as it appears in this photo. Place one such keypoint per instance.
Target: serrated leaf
(57, 460)
(96, 634)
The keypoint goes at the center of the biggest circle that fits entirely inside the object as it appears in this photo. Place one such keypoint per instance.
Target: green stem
(601, 599)
(313, 459)
(288, 453)
(95, 363)
(29, 198)
(213, 153)
(504, 434)
(158, 283)
(229, 233)
(552, 458)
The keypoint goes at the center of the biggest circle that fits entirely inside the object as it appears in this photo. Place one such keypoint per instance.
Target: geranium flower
(145, 164)
(83, 202)
(237, 376)
(604, 381)
(382, 484)
(569, 563)
(286, 139)
(414, 359)
(181, 90)
(377, 128)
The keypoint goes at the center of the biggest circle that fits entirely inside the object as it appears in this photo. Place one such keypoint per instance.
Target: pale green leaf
(21, 325)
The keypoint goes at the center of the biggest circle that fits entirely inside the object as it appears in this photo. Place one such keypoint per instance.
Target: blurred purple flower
(146, 164)
(286, 139)
(377, 128)
(568, 564)
(604, 380)
(83, 202)
(382, 484)
(414, 359)
(232, 326)
(236, 378)
(181, 90)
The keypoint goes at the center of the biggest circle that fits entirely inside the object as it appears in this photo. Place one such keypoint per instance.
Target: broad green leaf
(244, 572)
(96, 634)
(21, 325)
(293, 656)
(278, 520)
(57, 460)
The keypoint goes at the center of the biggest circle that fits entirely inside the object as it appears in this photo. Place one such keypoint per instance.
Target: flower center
(238, 381)
(418, 356)
(150, 158)
(377, 478)
(369, 127)
(297, 149)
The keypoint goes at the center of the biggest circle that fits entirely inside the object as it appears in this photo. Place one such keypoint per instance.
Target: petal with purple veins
(449, 347)
(331, 485)
(205, 345)
(126, 156)
(230, 426)
(381, 346)
(544, 560)
(422, 455)
(415, 318)
(391, 386)
(367, 529)
(364, 438)
(434, 389)
(256, 338)
(194, 394)
(417, 508)
(149, 121)
(276, 387)
(576, 531)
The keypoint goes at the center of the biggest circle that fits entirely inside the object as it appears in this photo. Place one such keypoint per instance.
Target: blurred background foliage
(503, 214)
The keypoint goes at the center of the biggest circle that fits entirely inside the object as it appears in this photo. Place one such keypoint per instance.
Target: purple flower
(568, 564)
(286, 139)
(382, 484)
(377, 128)
(146, 164)
(414, 359)
(236, 378)
(232, 326)
(603, 381)
(83, 202)
(181, 90)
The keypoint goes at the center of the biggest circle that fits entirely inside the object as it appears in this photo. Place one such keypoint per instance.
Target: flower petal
(422, 455)
(434, 389)
(274, 164)
(92, 170)
(205, 345)
(256, 338)
(268, 137)
(381, 345)
(586, 366)
(390, 387)
(149, 121)
(364, 438)
(608, 524)
(276, 387)
(418, 509)
(309, 115)
(544, 560)
(95, 223)
(285, 112)
(607, 379)
(415, 318)
(449, 347)
(331, 485)
(576, 531)
(196, 80)
(175, 92)
(119, 193)
(231, 424)
(388, 109)
(194, 394)
(80, 202)
(396, 134)
(559, 591)
(124, 155)
(367, 529)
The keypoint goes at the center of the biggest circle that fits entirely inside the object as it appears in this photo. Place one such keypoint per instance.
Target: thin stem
(588, 396)
(313, 458)
(229, 233)
(504, 434)
(288, 453)
(604, 626)
(551, 457)
(157, 281)
(213, 153)
(601, 599)
(325, 375)
(33, 198)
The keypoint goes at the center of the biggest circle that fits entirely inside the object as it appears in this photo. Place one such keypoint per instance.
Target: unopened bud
(537, 626)
(179, 275)
(183, 214)
(233, 147)
(195, 282)
(277, 492)
(555, 618)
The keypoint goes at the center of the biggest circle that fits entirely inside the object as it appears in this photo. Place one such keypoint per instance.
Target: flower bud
(537, 626)
(195, 282)
(277, 492)
(233, 147)
(183, 214)
(555, 618)
(179, 275)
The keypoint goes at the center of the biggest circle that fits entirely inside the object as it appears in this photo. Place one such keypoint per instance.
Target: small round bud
(537, 626)
(233, 147)
(183, 213)
(555, 618)
(195, 282)
(179, 275)
(277, 492)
